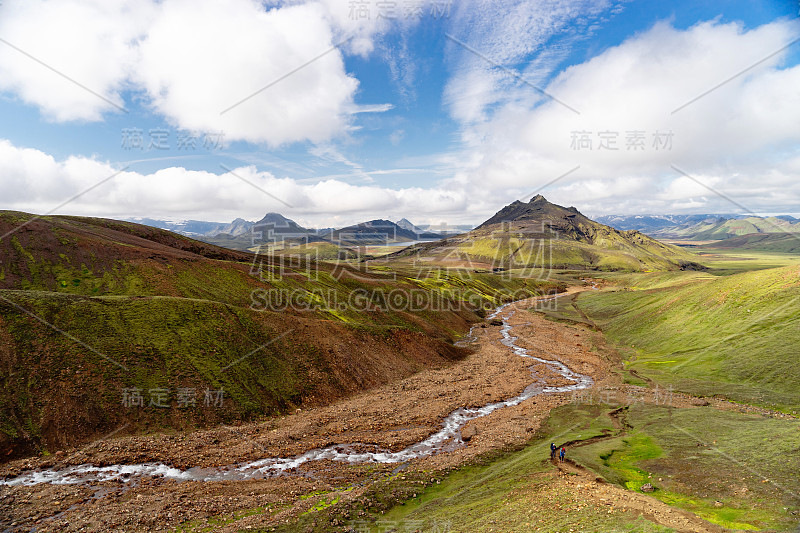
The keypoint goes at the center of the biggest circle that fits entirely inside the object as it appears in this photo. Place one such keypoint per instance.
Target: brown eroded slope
(90, 308)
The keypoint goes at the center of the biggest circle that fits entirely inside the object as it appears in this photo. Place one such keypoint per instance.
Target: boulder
(647, 487)
(468, 432)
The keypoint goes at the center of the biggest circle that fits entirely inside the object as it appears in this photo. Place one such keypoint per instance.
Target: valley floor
(501, 480)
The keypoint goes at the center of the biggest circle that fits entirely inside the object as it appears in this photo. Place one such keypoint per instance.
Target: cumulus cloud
(216, 67)
(740, 139)
(176, 192)
(90, 43)
(193, 61)
(347, 22)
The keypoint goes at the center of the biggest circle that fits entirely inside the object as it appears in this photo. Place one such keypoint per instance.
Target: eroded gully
(446, 439)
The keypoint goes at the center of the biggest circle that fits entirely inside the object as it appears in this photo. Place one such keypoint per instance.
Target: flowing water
(446, 439)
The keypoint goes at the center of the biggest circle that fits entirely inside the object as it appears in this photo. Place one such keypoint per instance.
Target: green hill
(242, 243)
(544, 235)
(322, 251)
(767, 242)
(735, 335)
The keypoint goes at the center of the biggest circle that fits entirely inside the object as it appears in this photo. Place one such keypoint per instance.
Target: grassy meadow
(735, 470)
(734, 335)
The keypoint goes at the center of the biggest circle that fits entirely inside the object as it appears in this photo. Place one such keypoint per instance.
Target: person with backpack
(553, 449)
(562, 453)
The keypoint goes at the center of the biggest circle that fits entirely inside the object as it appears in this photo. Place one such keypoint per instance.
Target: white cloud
(91, 42)
(347, 22)
(192, 60)
(404, 67)
(741, 139)
(373, 108)
(36, 182)
(200, 58)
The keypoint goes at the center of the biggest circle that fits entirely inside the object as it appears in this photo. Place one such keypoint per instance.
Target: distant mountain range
(448, 229)
(276, 229)
(379, 232)
(653, 223)
(702, 227)
(195, 228)
(726, 229)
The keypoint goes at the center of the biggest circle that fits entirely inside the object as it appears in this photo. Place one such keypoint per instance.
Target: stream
(446, 439)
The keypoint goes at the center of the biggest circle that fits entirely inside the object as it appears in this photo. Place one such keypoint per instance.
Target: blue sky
(437, 116)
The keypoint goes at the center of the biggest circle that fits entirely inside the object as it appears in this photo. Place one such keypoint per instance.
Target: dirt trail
(637, 375)
(596, 488)
(586, 483)
(574, 303)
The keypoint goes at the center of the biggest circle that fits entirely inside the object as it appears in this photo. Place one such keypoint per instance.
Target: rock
(717, 504)
(495, 322)
(647, 487)
(468, 432)
(699, 402)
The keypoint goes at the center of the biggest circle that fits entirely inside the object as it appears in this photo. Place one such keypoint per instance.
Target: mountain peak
(276, 221)
(378, 231)
(537, 211)
(272, 217)
(408, 225)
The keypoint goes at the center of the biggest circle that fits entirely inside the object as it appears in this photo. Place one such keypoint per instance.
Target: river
(446, 439)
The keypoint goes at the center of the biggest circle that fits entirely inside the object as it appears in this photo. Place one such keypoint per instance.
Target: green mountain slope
(766, 242)
(735, 335)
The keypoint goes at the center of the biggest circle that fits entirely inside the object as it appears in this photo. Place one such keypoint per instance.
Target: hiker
(553, 449)
(562, 453)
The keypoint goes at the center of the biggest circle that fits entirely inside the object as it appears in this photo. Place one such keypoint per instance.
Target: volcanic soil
(392, 417)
